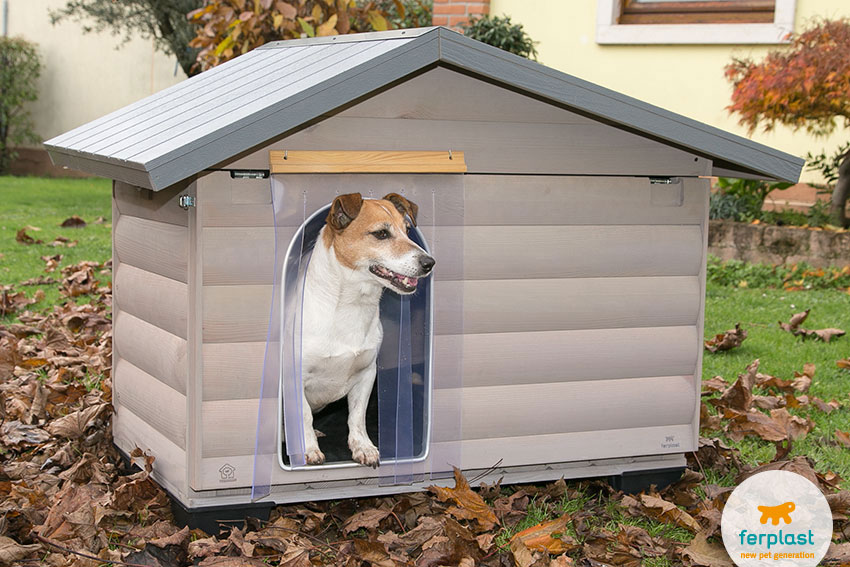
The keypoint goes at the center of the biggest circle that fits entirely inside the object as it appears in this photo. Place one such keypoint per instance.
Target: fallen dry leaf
(73, 222)
(14, 433)
(469, 505)
(803, 381)
(826, 334)
(716, 384)
(24, 238)
(726, 341)
(843, 363)
(522, 555)
(800, 465)
(796, 427)
(795, 322)
(12, 302)
(843, 438)
(668, 511)
(562, 561)
(368, 519)
(11, 551)
(826, 407)
(707, 421)
(754, 423)
(795, 329)
(74, 425)
(51, 262)
(837, 554)
(705, 554)
(548, 536)
(233, 562)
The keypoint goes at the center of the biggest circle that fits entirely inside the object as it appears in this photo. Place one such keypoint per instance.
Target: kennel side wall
(150, 364)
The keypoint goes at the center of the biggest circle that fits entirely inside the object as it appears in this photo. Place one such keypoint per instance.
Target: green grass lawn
(45, 203)
(781, 354)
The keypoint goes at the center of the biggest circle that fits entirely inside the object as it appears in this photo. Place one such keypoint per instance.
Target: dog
(362, 249)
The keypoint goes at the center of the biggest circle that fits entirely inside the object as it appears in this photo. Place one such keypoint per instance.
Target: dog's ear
(404, 206)
(344, 209)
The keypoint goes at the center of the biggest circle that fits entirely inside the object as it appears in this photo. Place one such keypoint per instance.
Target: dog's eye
(382, 234)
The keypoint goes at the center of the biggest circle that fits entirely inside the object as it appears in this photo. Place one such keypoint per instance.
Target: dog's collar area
(404, 283)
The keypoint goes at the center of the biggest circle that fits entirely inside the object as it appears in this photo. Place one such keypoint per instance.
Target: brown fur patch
(356, 243)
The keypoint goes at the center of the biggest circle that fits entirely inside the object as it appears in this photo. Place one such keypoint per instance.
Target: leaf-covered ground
(68, 500)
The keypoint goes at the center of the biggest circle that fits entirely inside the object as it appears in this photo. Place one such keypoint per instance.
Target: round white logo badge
(776, 518)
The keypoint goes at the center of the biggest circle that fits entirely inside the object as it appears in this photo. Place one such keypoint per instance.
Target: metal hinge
(662, 181)
(186, 201)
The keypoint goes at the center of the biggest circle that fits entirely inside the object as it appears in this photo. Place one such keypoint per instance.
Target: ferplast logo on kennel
(776, 518)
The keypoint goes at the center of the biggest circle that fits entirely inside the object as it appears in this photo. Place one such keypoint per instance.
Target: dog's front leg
(312, 454)
(362, 449)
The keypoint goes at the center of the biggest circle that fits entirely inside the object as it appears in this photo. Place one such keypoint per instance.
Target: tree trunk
(841, 193)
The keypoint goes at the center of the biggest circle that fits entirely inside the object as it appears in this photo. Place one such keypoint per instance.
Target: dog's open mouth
(406, 284)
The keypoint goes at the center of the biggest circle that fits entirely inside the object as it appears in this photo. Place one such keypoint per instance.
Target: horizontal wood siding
(156, 299)
(152, 349)
(487, 200)
(485, 453)
(159, 405)
(575, 320)
(245, 256)
(153, 246)
(130, 431)
(160, 206)
(515, 135)
(540, 409)
(240, 313)
(233, 370)
(523, 410)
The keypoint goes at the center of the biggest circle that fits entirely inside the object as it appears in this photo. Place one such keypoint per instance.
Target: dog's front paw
(314, 456)
(364, 453)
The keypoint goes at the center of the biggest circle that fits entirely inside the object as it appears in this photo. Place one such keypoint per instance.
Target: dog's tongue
(410, 282)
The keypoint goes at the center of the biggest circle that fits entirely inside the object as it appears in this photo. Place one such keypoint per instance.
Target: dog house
(561, 331)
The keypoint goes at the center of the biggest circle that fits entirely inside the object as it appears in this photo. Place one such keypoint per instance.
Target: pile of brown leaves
(793, 327)
(68, 500)
(741, 412)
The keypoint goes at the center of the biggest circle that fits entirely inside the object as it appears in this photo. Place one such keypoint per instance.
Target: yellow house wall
(687, 79)
(84, 76)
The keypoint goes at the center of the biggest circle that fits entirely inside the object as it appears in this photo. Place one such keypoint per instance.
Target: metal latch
(186, 201)
(662, 181)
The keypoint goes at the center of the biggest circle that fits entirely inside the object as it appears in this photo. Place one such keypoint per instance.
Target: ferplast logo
(776, 518)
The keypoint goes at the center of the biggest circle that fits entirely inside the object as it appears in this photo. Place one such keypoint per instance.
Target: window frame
(610, 32)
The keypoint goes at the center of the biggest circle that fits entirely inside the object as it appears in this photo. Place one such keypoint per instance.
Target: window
(694, 21)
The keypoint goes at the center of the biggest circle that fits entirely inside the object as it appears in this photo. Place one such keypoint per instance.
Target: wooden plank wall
(581, 304)
(500, 132)
(150, 247)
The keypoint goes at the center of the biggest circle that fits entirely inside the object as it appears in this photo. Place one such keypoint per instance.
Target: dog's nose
(426, 263)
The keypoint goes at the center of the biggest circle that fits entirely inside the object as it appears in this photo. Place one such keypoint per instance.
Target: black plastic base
(210, 519)
(215, 518)
(633, 482)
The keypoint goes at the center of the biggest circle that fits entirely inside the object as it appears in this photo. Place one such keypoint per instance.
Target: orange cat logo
(776, 513)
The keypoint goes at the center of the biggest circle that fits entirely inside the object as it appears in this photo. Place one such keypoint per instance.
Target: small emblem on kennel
(227, 472)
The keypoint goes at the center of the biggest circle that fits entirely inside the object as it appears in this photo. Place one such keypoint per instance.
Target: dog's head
(370, 237)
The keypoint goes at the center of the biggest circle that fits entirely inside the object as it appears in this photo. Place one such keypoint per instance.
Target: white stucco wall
(84, 75)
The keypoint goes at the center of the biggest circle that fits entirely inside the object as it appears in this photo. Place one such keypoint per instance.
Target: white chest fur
(341, 328)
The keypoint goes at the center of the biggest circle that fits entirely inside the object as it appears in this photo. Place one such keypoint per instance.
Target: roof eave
(619, 110)
(121, 170)
(294, 112)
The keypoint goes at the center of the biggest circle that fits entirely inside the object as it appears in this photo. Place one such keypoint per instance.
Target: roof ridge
(405, 33)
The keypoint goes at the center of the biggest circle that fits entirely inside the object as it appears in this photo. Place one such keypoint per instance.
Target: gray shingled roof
(176, 133)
